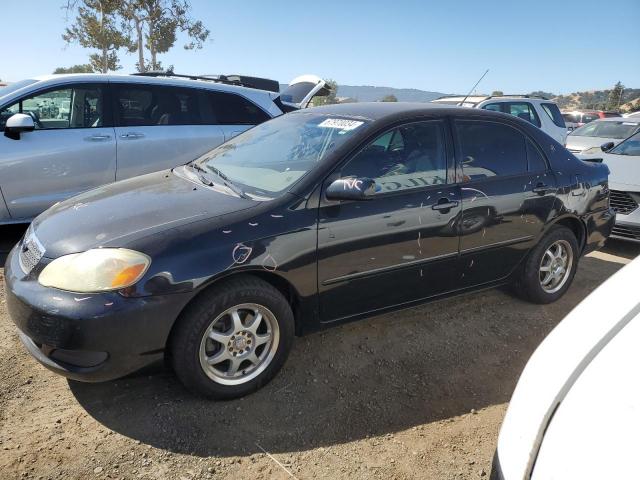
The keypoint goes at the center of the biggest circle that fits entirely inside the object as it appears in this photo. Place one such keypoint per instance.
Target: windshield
(620, 129)
(267, 159)
(15, 86)
(631, 146)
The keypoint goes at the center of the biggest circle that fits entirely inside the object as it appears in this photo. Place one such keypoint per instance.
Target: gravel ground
(411, 395)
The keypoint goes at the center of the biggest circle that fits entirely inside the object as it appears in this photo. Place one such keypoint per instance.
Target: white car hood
(577, 142)
(625, 171)
(559, 362)
(594, 432)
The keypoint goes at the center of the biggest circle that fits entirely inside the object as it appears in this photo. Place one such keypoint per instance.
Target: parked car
(576, 408)
(590, 138)
(64, 134)
(624, 181)
(576, 119)
(539, 111)
(300, 223)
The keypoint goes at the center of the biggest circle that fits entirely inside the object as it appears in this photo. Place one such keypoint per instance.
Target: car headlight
(96, 270)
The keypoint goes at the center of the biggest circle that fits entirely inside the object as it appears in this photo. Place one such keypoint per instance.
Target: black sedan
(310, 220)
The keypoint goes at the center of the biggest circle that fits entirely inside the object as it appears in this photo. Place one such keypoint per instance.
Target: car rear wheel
(550, 267)
(233, 339)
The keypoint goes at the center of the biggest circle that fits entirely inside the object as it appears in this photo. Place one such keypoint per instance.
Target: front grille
(626, 231)
(31, 252)
(622, 202)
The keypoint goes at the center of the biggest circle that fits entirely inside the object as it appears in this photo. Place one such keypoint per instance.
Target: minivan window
(149, 105)
(489, 149)
(267, 159)
(232, 109)
(553, 111)
(73, 107)
(407, 157)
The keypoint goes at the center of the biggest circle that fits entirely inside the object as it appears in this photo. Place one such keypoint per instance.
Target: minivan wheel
(550, 267)
(232, 339)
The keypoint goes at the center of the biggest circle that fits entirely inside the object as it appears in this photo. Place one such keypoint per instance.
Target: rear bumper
(599, 227)
(88, 337)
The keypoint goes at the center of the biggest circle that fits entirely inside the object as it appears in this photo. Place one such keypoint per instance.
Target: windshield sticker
(340, 123)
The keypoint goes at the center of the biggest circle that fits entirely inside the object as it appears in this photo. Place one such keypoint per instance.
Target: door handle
(132, 135)
(540, 188)
(445, 204)
(98, 138)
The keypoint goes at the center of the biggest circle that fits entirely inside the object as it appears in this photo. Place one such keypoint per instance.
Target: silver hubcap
(555, 266)
(239, 344)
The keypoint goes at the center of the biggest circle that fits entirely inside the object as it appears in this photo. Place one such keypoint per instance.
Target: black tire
(196, 319)
(527, 285)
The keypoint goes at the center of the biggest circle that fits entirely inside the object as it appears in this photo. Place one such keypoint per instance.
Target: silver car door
(72, 149)
(160, 127)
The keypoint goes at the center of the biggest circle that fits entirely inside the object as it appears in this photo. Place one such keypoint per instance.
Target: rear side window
(553, 111)
(590, 117)
(232, 109)
(494, 107)
(535, 160)
(149, 105)
(490, 149)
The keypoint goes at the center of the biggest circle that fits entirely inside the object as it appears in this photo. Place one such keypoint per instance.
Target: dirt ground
(418, 394)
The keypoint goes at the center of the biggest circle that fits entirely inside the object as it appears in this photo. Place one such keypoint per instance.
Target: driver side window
(406, 157)
(79, 107)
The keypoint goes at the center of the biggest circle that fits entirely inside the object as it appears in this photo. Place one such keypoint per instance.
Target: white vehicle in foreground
(575, 412)
(540, 111)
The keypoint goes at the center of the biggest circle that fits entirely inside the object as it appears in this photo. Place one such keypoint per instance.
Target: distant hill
(367, 93)
(594, 99)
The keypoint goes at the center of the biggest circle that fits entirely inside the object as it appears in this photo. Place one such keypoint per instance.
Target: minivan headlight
(96, 270)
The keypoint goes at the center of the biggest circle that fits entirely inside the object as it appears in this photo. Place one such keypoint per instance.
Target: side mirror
(351, 188)
(607, 146)
(17, 124)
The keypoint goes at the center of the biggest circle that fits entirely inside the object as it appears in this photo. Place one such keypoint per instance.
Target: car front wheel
(233, 339)
(550, 267)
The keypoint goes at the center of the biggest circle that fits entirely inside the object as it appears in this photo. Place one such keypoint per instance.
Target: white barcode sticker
(340, 123)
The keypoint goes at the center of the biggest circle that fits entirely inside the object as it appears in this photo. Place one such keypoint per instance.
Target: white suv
(540, 111)
(64, 134)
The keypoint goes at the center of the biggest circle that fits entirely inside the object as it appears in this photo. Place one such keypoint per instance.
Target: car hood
(577, 142)
(625, 171)
(118, 213)
(557, 365)
(594, 432)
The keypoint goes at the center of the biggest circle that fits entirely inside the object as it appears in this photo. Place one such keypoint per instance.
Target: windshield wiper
(225, 180)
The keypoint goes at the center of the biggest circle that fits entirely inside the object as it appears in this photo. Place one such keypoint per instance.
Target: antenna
(473, 88)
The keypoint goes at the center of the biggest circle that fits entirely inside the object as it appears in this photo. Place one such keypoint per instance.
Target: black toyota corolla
(307, 221)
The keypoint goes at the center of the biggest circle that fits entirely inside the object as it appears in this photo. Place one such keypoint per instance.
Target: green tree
(615, 97)
(96, 26)
(327, 99)
(84, 68)
(154, 25)
(497, 93)
(389, 98)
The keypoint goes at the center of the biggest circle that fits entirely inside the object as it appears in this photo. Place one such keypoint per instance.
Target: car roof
(142, 79)
(379, 110)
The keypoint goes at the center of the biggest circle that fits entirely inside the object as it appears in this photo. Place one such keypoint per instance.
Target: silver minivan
(65, 134)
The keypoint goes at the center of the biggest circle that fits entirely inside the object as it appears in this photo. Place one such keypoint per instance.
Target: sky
(444, 46)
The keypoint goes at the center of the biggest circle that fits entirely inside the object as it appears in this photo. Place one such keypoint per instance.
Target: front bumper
(88, 337)
(627, 227)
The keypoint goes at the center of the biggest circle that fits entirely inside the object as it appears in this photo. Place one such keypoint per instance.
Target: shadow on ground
(369, 378)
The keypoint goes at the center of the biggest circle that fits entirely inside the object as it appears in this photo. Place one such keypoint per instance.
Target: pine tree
(615, 97)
